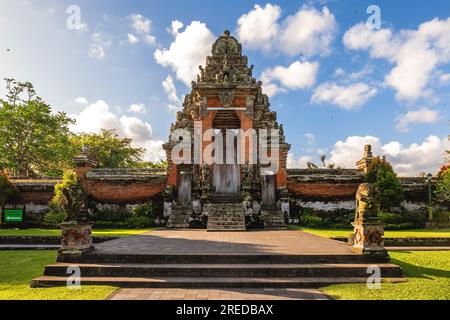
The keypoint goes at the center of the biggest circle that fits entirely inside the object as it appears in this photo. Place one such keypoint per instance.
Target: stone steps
(216, 282)
(224, 270)
(225, 217)
(225, 198)
(273, 219)
(179, 219)
(225, 258)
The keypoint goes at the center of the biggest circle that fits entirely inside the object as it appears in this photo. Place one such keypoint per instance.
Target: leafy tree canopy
(442, 193)
(32, 138)
(381, 173)
(69, 179)
(109, 150)
(7, 190)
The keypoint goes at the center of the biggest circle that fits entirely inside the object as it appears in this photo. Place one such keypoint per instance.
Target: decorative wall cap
(126, 174)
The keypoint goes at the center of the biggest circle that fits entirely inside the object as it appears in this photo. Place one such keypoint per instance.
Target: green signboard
(13, 215)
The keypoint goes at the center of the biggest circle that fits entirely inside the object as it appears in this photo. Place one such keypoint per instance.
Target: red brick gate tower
(225, 97)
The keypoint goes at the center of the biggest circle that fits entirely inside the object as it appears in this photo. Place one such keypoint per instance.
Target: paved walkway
(218, 294)
(202, 242)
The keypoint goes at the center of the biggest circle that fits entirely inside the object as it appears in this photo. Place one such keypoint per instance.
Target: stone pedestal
(76, 238)
(368, 238)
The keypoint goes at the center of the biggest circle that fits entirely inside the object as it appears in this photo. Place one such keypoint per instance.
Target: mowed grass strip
(419, 233)
(57, 232)
(18, 268)
(428, 276)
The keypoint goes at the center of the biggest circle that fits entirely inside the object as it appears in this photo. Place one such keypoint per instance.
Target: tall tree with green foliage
(109, 150)
(442, 193)
(32, 138)
(381, 173)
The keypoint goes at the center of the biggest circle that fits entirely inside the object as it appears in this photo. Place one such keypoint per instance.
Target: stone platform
(198, 259)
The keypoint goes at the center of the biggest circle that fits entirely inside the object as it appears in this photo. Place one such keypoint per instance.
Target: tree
(381, 173)
(109, 150)
(32, 138)
(69, 179)
(442, 193)
(7, 190)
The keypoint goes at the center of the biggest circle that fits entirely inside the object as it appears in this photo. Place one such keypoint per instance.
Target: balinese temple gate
(234, 187)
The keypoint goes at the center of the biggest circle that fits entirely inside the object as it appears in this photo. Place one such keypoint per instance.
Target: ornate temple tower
(224, 99)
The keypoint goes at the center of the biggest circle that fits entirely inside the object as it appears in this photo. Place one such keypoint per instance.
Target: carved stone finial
(226, 33)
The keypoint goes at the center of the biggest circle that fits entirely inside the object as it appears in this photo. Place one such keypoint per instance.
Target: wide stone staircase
(225, 217)
(273, 219)
(217, 270)
(179, 219)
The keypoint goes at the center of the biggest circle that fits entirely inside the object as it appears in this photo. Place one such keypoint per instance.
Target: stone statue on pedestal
(368, 232)
(76, 231)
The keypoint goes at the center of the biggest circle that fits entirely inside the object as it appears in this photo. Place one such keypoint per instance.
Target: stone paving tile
(202, 242)
(218, 294)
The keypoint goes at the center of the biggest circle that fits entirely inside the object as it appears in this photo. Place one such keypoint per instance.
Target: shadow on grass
(419, 272)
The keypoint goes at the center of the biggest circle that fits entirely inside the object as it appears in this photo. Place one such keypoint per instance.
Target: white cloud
(416, 54)
(137, 108)
(81, 100)
(339, 72)
(424, 115)
(406, 160)
(141, 26)
(299, 163)
(297, 76)
(170, 90)
(310, 138)
(309, 32)
(98, 116)
(173, 108)
(98, 46)
(345, 97)
(187, 51)
(444, 78)
(175, 27)
(140, 23)
(132, 39)
(259, 28)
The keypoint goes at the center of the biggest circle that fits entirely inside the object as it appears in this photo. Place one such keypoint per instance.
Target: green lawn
(421, 233)
(428, 276)
(17, 268)
(57, 232)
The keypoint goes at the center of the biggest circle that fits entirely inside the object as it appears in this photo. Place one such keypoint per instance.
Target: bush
(139, 222)
(313, 222)
(110, 216)
(406, 220)
(7, 190)
(54, 218)
(337, 219)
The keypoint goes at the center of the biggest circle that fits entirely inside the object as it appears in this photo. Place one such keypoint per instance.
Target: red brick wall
(120, 192)
(323, 190)
(36, 197)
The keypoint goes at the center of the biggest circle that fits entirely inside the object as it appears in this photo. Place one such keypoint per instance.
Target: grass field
(428, 274)
(17, 268)
(57, 232)
(421, 233)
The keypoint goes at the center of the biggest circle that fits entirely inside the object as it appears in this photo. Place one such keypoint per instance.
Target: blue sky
(335, 83)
